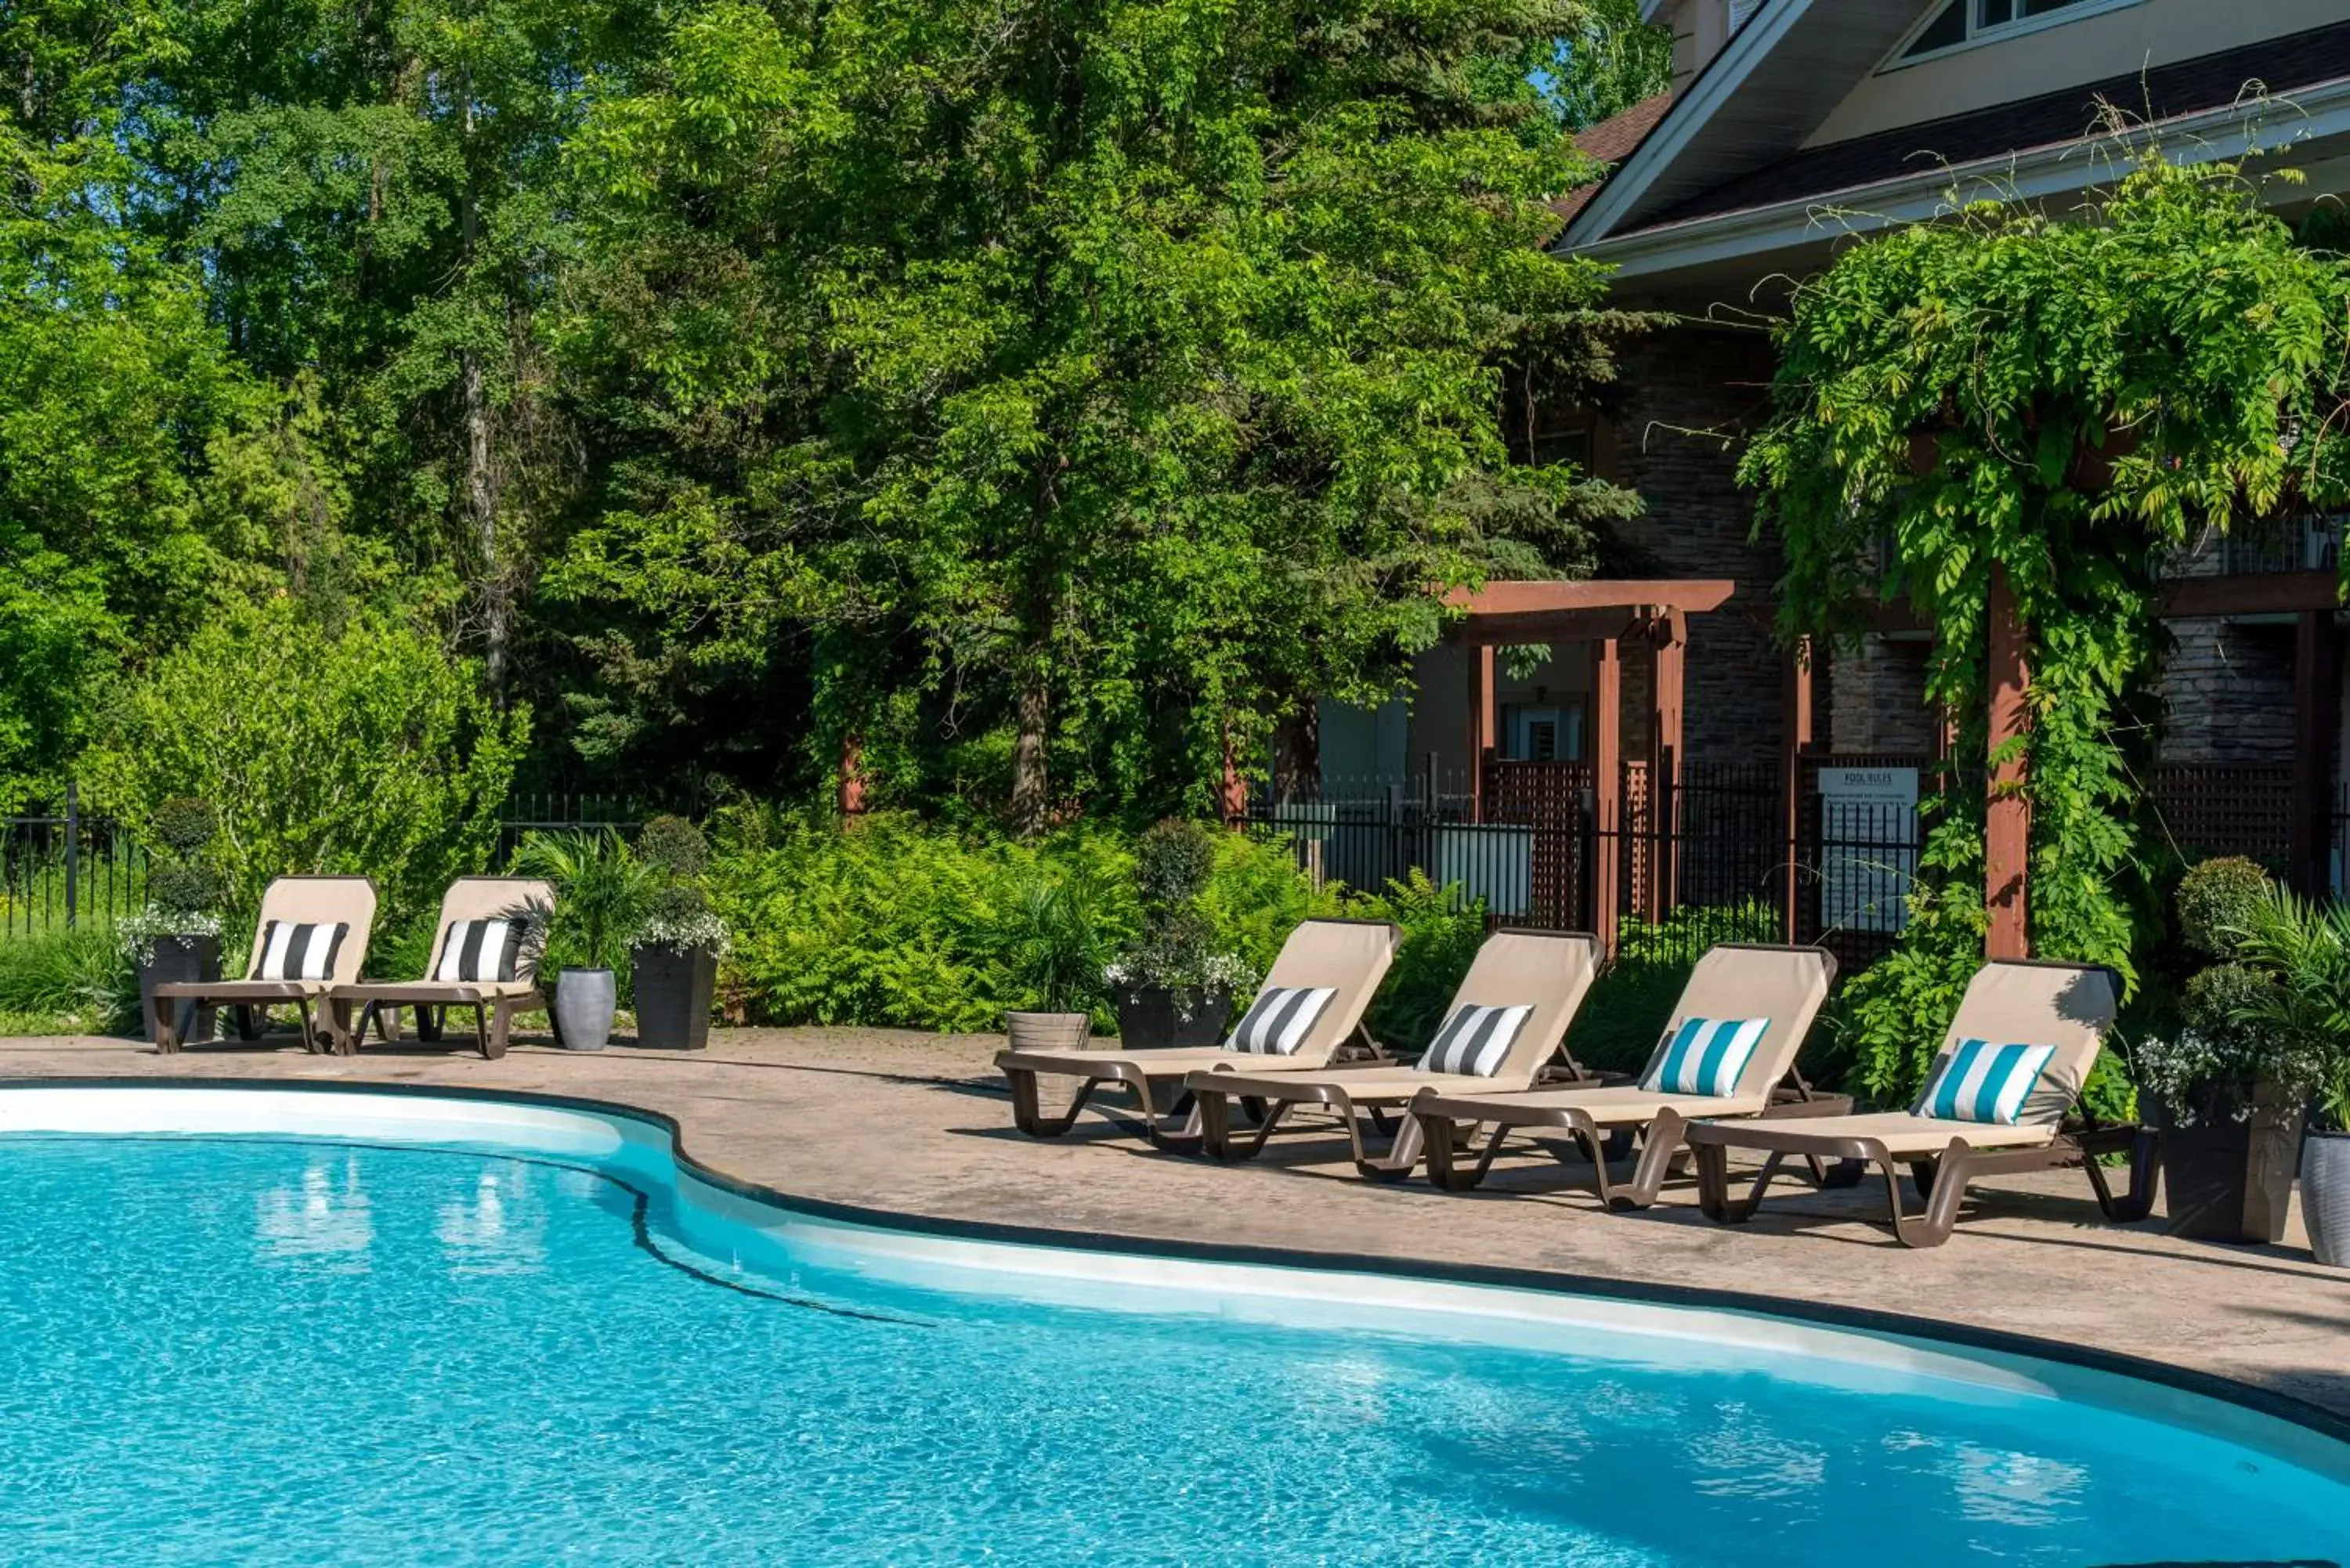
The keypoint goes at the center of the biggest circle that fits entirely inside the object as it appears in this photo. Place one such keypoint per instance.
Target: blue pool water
(284, 1352)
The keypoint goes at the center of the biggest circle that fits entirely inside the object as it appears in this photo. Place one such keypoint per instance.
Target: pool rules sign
(1868, 848)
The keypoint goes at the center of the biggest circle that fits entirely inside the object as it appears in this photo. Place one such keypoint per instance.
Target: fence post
(73, 853)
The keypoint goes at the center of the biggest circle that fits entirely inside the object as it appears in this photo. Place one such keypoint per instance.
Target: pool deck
(919, 1124)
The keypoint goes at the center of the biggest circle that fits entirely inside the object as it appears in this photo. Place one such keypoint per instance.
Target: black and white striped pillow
(292, 950)
(479, 951)
(1276, 1024)
(1475, 1040)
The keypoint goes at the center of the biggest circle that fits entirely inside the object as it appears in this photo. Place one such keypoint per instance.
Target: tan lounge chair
(1549, 972)
(1785, 985)
(287, 963)
(2065, 1007)
(475, 912)
(1350, 956)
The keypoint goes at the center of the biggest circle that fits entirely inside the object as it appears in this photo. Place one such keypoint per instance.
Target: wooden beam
(849, 786)
(1606, 788)
(2007, 811)
(2253, 593)
(1669, 638)
(2316, 727)
(1523, 631)
(1798, 708)
(1482, 724)
(1692, 595)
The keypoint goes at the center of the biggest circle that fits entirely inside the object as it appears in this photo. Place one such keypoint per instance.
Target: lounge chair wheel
(1844, 1173)
(1618, 1144)
(250, 1020)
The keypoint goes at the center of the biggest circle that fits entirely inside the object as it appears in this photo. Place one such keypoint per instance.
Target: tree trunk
(1029, 803)
(1297, 752)
(481, 478)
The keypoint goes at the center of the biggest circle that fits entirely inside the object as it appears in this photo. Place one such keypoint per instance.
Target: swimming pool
(272, 1326)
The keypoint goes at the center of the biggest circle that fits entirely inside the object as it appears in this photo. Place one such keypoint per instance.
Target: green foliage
(368, 752)
(61, 980)
(1054, 948)
(1891, 1018)
(2217, 901)
(1174, 860)
(2302, 1018)
(1442, 930)
(1257, 896)
(2056, 403)
(1611, 61)
(601, 894)
(1098, 381)
(674, 847)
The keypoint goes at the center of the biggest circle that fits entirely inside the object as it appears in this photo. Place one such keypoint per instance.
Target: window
(1962, 22)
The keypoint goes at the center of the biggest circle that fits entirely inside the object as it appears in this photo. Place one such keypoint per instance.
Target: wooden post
(2007, 811)
(2316, 722)
(1606, 788)
(850, 793)
(1482, 724)
(1801, 717)
(1232, 792)
(1669, 636)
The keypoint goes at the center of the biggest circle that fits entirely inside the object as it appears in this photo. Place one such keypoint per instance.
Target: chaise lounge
(1508, 1020)
(1309, 1009)
(484, 956)
(1751, 1001)
(2003, 1096)
(310, 936)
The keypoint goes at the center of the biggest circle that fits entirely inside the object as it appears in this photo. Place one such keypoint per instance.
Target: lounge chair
(1984, 1112)
(1530, 980)
(484, 956)
(311, 935)
(1782, 987)
(1347, 959)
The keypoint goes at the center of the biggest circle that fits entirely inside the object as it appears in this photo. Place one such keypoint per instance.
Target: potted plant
(1173, 987)
(1053, 954)
(174, 938)
(679, 940)
(2226, 1088)
(600, 894)
(2305, 949)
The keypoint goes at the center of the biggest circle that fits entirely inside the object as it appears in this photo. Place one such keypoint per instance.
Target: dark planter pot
(2326, 1197)
(1149, 1020)
(675, 987)
(2228, 1180)
(179, 961)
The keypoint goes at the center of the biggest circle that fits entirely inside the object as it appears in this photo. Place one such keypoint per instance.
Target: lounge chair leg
(430, 1022)
(1714, 1182)
(250, 1020)
(1403, 1152)
(2144, 1175)
(481, 1033)
(167, 1038)
(501, 1030)
(1214, 1110)
(1933, 1227)
(1660, 1152)
(387, 1021)
(1184, 1138)
(1027, 1108)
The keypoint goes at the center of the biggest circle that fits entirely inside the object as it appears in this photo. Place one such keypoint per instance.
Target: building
(1792, 127)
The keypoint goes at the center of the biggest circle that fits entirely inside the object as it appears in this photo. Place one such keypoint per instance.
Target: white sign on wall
(1868, 834)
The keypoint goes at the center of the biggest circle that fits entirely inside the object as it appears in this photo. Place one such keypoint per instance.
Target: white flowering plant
(138, 933)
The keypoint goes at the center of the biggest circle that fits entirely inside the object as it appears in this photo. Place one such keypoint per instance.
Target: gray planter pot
(673, 992)
(585, 1000)
(179, 961)
(2326, 1195)
(1048, 1031)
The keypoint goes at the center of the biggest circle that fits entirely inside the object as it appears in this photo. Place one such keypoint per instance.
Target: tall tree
(1099, 377)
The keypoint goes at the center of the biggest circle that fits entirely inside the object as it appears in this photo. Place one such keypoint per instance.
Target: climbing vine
(2067, 400)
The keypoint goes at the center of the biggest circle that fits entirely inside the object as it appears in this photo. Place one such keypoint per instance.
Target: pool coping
(1869, 1320)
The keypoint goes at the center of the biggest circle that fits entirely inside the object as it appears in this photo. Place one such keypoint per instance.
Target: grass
(65, 982)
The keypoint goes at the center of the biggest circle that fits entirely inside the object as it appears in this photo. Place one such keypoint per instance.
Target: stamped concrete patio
(918, 1124)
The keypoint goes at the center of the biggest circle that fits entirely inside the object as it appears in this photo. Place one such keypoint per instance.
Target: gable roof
(2067, 115)
(1610, 142)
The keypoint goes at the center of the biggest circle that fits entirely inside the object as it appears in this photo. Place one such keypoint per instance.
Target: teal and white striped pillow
(1705, 1056)
(1982, 1082)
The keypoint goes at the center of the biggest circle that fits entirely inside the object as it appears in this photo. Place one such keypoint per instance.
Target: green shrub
(2216, 902)
(1441, 933)
(68, 981)
(371, 752)
(1256, 895)
(890, 922)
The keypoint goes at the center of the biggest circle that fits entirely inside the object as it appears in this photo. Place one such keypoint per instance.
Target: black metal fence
(1667, 870)
(530, 814)
(61, 870)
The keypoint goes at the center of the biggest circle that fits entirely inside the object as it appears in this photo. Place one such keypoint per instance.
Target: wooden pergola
(1611, 617)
